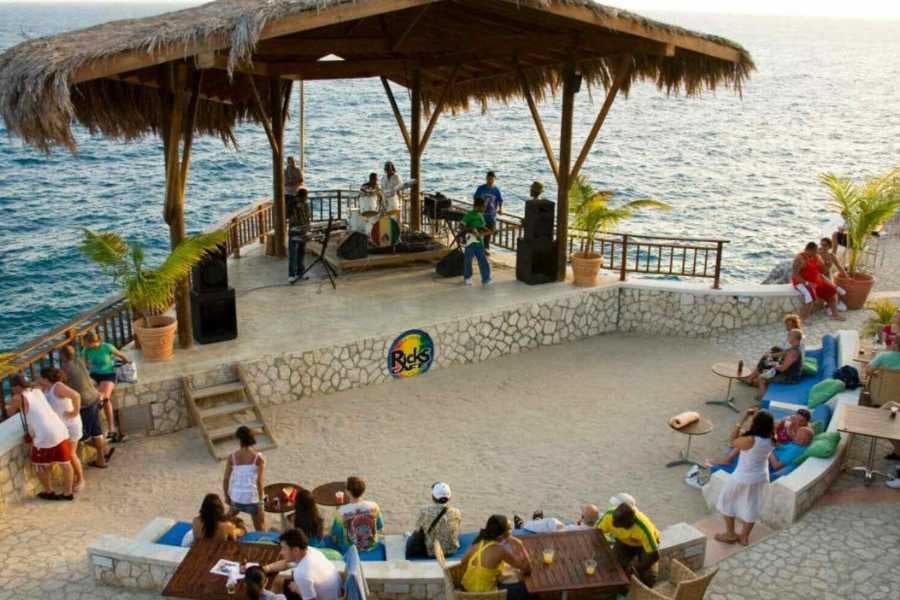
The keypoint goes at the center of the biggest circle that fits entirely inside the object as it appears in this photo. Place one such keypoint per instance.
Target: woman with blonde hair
(791, 321)
(100, 358)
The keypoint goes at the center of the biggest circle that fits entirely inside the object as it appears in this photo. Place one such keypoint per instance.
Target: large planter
(858, 288)
(157, 337)
(586, 268)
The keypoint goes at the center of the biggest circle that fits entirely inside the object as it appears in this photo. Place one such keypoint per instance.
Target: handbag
(415, 546)
(127, 373)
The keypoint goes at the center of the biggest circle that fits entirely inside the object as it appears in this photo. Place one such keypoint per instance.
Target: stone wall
(17, 481)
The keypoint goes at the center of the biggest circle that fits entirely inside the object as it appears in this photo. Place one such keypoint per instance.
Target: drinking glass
(590, 566)
(548, 554)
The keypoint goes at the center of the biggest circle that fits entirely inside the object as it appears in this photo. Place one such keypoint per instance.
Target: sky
(819, 8)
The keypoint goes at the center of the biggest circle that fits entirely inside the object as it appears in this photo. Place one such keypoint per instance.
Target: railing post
(623, 269)
(719, 246)
(235, 239)
(339, 205)
(261, 226)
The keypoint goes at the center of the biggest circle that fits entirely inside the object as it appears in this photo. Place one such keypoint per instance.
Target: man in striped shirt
(636, 544)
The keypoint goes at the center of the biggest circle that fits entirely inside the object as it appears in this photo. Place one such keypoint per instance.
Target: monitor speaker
(538, 223)
(211, 273)
(536, 261)
(356, 246)
(214, 316)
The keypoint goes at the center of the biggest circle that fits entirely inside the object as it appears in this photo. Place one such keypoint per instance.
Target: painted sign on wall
(411, 354)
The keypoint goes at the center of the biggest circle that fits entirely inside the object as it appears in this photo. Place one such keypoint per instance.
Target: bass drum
(359, 223)
(386, 232)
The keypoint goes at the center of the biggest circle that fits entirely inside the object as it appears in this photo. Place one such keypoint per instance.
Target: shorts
(58, 454)
(90, 420)
(250, 509)
(101, 377)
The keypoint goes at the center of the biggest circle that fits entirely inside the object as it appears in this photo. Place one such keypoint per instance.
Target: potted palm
(865, 208)
(592, 214)
(150, 292)
(883, 311)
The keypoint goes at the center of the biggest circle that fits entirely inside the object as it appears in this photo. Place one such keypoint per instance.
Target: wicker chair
(453, 581)
(884, 385)
(683, 584)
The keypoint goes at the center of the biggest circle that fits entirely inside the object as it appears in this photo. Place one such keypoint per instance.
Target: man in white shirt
(314, 576)
(390, 189)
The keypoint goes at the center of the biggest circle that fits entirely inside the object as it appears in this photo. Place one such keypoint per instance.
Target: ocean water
(826, 96)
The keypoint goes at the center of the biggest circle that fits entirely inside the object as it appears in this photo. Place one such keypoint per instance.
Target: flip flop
(743, 542)
(725, 539)
(96, 466)
(109, 454)
(48, 496)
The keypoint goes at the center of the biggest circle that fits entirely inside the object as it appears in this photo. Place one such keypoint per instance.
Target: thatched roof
(108, 77)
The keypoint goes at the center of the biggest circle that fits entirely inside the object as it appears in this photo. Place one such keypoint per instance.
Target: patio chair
(453, 581)
(884, 386)
(683, 584)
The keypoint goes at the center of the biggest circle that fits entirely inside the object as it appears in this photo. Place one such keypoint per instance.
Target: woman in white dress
(66, 403)
(744, 491)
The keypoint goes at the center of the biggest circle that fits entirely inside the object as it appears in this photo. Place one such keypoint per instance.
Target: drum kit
(376, 219)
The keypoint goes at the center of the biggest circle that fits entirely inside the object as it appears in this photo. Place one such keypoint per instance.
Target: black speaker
(355, 246)
(536, 261)
(214, 316)
(538, 223)
(211, 273)
(451, 265)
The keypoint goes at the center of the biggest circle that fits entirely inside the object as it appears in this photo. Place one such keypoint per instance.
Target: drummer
(390, 189)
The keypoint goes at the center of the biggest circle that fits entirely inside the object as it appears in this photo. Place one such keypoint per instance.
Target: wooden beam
(539, 124)
(319, 47)
(622, 74)
(412, 24)
(565, 156)
(437, 109)
(397, 114)
(153, 84)
(279, 211)
(415, 152)
(190, 123)
(133, 60)
(586, 14)
(260, 112)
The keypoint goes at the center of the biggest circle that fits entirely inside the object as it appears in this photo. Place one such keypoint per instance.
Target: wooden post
(302, 130)
(397, 114)
(623, 268)
(719, 247)
(415, 152)
(173, 123)
(279, 211)
(539, 124)
(565, 157)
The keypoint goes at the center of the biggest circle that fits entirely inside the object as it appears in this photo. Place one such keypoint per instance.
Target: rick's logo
(411, 354)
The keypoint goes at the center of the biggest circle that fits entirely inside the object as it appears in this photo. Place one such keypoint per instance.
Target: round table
(275, 491)
(325, 493)
(730, 372)
(701, 427)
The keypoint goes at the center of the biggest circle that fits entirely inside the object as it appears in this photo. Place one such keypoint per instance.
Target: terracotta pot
(157, 337)
(586, 269)
(858, 287)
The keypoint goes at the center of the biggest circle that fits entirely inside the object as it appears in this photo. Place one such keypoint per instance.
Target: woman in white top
(49, 437)
(66, 402)
(244, 476)
(744, 491)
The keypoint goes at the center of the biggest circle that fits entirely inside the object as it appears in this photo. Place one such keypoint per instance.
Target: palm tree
(593, 213)
(149, 291)
(864, 208)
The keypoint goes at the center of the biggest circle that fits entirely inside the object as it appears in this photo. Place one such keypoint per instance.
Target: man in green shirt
(474, 230)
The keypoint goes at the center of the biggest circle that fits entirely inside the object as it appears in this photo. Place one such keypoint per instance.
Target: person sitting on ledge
(789, 367)
(791, 321)
(213, 523)
(636, 545)
(314, 577)
(808, 280)
(359, 522)
(494, 546)
(446, 528)
(590, 515)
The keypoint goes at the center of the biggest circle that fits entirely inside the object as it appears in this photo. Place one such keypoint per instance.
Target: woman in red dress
(808, 280)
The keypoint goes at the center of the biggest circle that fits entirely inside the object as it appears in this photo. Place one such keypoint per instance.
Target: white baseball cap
(622, 498)
(440, 491)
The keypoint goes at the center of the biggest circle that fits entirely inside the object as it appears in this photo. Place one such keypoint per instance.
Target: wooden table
(566, 573)
(865, 356)
(730, 372)
(325, 493)
(192, 579)
(272, 492)
(701, 427)
(874, 423)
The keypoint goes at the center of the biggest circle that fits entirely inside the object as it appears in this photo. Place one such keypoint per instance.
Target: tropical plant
(864, 207)
(593, 213)
(884, 310)
(150, 291)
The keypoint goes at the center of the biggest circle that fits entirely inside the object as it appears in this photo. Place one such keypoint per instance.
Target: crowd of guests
(62, 408)
(812, 276)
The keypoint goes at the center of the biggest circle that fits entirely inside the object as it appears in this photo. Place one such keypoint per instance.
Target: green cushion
(810, 365)
(824, 391)
(824, 445)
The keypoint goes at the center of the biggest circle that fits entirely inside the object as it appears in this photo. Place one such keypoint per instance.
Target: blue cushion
(354, 581)
(829, 357)
(261, 537)
(465, 541)
(376, 554)
(175, 534)
(798, 393)
(822, 413)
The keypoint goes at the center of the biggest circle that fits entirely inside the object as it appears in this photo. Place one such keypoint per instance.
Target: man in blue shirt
(493, 205)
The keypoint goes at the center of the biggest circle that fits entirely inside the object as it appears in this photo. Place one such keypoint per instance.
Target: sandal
(725, 538)
(48, 496)
(109, 454)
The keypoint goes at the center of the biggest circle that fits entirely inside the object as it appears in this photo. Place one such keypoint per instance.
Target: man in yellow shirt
(636, 544)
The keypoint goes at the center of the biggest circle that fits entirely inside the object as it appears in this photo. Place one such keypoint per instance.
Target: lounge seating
(884, 386)
(683, 584)
(453, 578)
(797, 393)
